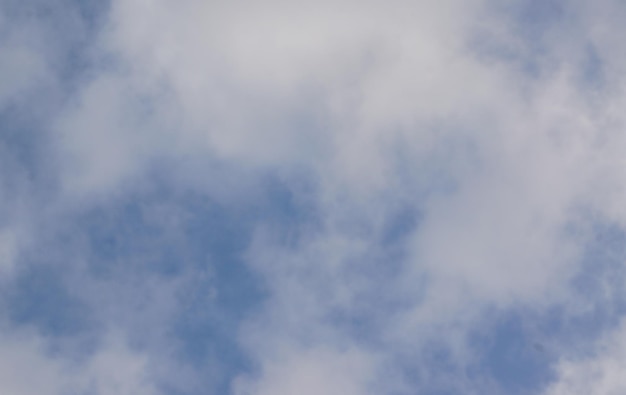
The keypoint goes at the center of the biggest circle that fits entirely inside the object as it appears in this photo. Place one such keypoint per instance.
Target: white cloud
(313, 371)
(28, 366)
(381, 77)
(25, 370)
(116, 369)
(376, 102)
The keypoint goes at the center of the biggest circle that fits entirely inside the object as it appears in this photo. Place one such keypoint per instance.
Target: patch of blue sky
(519, 347)
(533, 18)
(288, 206)
(27, 173)
(512, 352)
(40, 298)
(592, 73)
(379, 268)
(15, 159)
(530, 24)
(220, 301)
(453, 154)
(398, 225)
(60, 33)
(542, 38)
(599, 283)
(436, 370)
(168, 233)
(154, 231)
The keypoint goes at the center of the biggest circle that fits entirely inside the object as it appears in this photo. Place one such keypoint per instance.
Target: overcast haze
(312, 198)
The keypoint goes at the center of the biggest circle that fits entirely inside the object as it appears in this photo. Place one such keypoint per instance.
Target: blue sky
(338, 197)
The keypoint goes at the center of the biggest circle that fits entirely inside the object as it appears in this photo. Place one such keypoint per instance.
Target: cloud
(312, 371)
(29, 367)
(292, 196)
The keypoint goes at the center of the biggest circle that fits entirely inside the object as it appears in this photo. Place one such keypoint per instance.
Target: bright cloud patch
(335, 197)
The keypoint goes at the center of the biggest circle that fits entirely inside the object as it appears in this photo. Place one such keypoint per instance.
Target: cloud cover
(292, 197)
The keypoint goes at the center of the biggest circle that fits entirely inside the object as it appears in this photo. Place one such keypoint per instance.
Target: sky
(295, 198)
